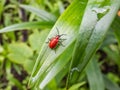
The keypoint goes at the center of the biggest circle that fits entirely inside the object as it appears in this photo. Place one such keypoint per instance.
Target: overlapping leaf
(67, 24)
(94, 76)
(26, 25)
(92, 31)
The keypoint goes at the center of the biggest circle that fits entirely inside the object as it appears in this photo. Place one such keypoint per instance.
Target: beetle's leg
(61, 40)
(49, 39)
(60, 43)
(47, 42)
(62, 34)
(57, 30)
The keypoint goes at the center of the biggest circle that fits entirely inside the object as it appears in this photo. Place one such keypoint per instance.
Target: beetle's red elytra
(56, 40)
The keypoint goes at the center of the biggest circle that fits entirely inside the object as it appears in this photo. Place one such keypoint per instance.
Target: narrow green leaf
(109, 39)
(57, 67)
(116, 28)
(61, 7)
(2, 2)
(68, 24)
(26, 25)
(110, 85)
(113, 54)
(94, 76)
(15, 81)
(76, 86)
(92, 31)
(11, 78)
(44, 15)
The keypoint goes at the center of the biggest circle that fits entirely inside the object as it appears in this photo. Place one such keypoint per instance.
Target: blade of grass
(110, 85)
(26, 25)
(59, 65)
(11, 78)
(2, 2)
(67, 24)
(113, 55)
(94, 75)
(61, 7)
(44, 15)
(92, 32)
(116, 28)
(77, 86)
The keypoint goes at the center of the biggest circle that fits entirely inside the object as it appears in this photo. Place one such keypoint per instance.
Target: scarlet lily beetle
(56, 40)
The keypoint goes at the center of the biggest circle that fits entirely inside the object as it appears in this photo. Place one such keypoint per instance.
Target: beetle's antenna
(62, 35)
(57, 30)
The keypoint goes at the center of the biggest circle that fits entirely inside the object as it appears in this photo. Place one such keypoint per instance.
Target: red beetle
(55, 41)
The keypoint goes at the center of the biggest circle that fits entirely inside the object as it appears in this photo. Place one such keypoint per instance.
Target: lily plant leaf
(67, 24)
(115, 26)
(26, 25)
(44, 15)
(109, 84)
(92, 32)
(94, 75)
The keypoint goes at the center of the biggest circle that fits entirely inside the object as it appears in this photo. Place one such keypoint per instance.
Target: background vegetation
(90, 59)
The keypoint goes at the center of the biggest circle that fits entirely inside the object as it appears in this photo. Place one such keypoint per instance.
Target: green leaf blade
(26, 25)
(91, 36)
(67, 24)
(115, 26)
(94, 75)
(44, 15)
(110, 85)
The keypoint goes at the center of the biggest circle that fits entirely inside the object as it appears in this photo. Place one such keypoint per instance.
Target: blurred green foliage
(19, 49)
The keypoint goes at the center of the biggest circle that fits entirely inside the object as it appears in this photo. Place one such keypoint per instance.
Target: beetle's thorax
(57, 37)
